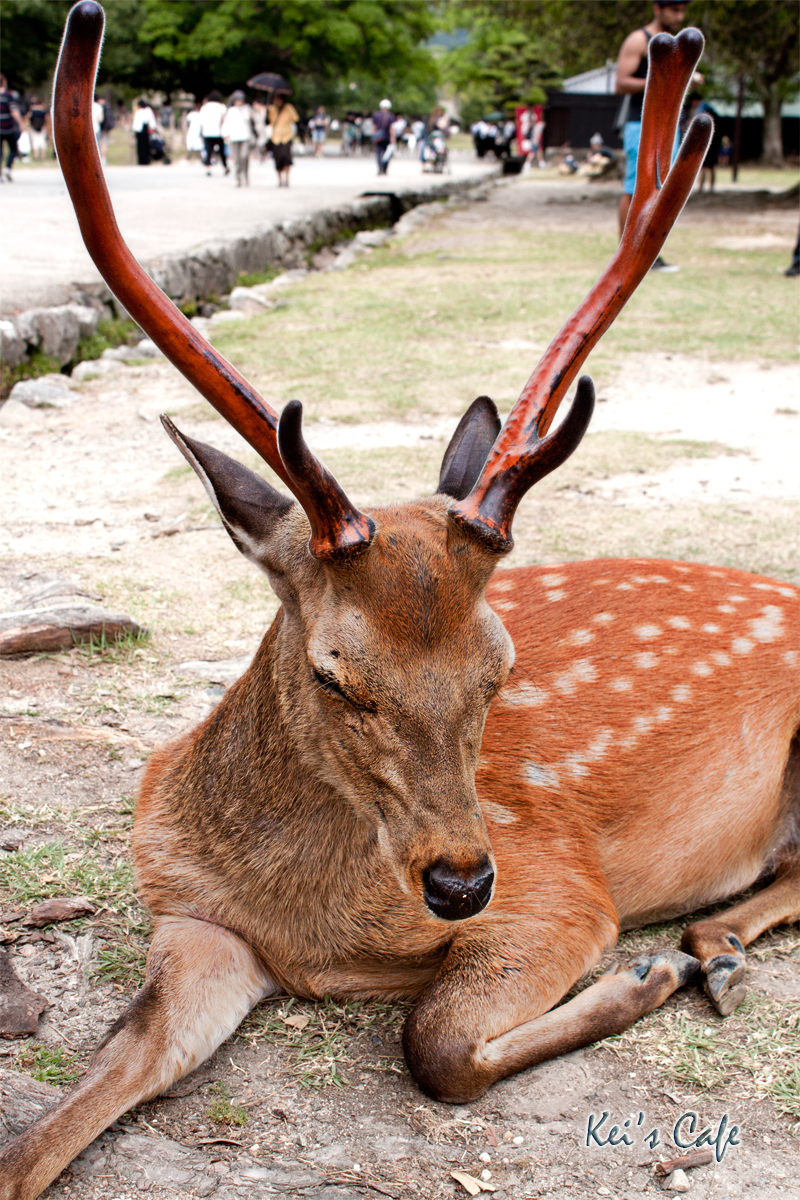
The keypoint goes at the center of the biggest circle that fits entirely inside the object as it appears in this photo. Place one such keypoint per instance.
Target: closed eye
(330, 686)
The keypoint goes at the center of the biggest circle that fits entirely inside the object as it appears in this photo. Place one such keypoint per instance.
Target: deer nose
(452, 894)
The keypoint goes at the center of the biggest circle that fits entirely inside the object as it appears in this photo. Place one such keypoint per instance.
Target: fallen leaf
(298, 1021)
(470, 1183)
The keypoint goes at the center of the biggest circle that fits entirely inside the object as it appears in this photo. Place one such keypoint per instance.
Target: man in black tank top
(631, 76)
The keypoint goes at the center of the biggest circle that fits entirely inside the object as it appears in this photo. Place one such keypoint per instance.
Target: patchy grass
(48, 1064)
(221, 1110)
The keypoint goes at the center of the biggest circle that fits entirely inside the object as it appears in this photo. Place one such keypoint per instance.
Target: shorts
(630, 143)
(318, 134)
(38, 139)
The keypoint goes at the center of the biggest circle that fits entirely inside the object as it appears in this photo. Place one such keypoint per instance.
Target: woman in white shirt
(211, 117)
(238, 131)
(144, 119)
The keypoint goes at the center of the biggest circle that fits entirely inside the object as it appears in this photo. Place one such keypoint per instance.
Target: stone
(48, 391)
(12, 346)
(20, 1008)
(22, 1101)
(677, 1182)
(92, 368)
(60, 908)
(373, 237)
(248, 300)
(16, 415)
(223, 670)
(60, 627)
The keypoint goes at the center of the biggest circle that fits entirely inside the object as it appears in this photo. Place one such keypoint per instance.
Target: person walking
(38, 128)
(383, 135)
(107, 123)
(319, 129)
(194, 136)
(144, 120)
(10, 128)
(632, 65)
(238, 131)
(212, 115)
(283, 119)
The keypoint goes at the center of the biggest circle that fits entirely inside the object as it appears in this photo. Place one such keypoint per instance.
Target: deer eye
(330, 686)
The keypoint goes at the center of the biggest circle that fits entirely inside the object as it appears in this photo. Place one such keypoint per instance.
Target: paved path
(171, 208)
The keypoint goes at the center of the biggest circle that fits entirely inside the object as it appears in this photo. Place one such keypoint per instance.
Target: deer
(440, 782)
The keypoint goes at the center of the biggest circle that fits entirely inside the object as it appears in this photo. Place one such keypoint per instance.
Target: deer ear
(469, 448)
(250, 507)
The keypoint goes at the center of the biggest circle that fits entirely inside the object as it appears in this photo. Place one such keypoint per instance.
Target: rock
(148, 349)
(223, 670)
(92, 368)
(248, 300)
(12, 346)
(61, 908)
(57, 331)
(373, 237)
(20, 1008)
(677, 1182)
(60, 626)
(48, 391)
(16, 415)
(22, 1101)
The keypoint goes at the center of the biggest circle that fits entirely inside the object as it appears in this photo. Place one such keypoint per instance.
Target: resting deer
(389, 804)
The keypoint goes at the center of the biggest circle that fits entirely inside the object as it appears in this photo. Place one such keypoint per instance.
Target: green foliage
(38, 364)
(500, 66)
(48, 1064)
(222, 1111)
(108, 334)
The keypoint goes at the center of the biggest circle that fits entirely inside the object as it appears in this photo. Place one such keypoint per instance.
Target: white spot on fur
(646, 660)
(503, 605)
(663, 714)
(679, 623)
(581, 671)
(622, 685)
(685, 587)
(643, 724)
(502, 585)
(722, 660)
(650, 579)
(769, 626)
(726, 608)
(552, 596)
(581, 637)
(603, 618)
(541, 776)
(702, 669)
(791, 658)
(526, 695)
(497, 814)
(683, 570)
(737, 599)
(742, 646)
(771, 587)
(682, 693)
(553, 581)
(624, 587)
(710, 628)
(646, 632)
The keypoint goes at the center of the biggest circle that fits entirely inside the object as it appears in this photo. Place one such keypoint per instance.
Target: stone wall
(211, 270)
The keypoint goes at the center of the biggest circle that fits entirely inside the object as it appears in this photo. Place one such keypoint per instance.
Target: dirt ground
(95, 493)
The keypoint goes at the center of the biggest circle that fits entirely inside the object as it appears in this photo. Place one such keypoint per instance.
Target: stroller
(434, 152)
(158, 149)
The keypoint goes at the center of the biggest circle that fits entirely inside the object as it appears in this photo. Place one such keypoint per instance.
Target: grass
(222, 1111)
(48, 1064)
(445, 302)
(318, 1038)
(755, 1050)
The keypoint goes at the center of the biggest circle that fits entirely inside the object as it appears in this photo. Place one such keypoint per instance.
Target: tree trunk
(772, 154)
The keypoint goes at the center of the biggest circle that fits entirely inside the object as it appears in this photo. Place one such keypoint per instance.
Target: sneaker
(660, 265)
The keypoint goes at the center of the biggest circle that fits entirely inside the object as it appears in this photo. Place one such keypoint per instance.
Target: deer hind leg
(489, 1013)
(201, 982)
(719, 942)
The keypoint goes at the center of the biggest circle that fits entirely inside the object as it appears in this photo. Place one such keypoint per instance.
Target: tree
(758, 40)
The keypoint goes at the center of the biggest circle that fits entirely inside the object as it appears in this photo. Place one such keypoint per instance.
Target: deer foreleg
(719, 942)
(484, 1018)
(201, 982)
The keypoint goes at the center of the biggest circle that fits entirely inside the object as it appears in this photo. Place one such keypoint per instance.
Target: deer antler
(522, 454)
(338, 528)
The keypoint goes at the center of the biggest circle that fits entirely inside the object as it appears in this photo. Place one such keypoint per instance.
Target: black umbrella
(268, 81)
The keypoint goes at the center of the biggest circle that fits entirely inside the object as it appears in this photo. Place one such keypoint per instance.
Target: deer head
(386, 654)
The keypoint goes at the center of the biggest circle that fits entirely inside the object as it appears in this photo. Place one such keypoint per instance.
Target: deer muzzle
(453, 894)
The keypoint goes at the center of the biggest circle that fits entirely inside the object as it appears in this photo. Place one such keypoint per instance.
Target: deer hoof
(724, 982)
(682, 967)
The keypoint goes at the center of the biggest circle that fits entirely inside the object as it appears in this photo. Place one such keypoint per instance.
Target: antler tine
(338, 529)
(488, 510)
(214, 377)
